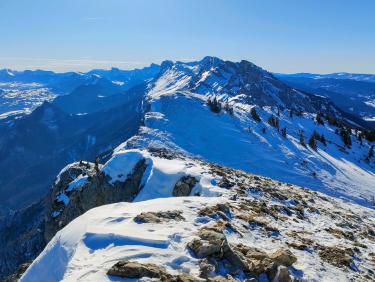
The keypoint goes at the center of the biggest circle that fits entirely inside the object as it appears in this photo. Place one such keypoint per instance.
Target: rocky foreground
(189, 220)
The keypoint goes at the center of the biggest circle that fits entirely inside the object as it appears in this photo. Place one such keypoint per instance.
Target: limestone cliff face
(28, 231)
(66, 203)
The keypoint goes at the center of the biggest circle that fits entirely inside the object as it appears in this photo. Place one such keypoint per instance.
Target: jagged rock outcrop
(184, 186)
(92, 188)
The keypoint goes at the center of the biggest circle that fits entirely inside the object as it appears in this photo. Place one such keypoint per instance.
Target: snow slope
(180, 119)
(86, 248)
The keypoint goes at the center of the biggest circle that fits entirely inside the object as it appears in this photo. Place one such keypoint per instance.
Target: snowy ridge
(213, 76)
(308, 223)
(196, 211)
(182, 121)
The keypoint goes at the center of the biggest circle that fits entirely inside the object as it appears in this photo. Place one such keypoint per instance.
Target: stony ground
(233, 226)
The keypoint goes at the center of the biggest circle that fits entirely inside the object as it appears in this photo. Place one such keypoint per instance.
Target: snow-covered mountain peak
(213, 76)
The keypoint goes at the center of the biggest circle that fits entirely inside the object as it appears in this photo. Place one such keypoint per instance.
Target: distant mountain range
(337, 75)
(353, 93)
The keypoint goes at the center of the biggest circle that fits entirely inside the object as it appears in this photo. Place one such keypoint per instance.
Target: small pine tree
(370, 152)
(302, 139)
(312, 142)
(254, 114)
(319, 119)
(264, 130)
(274, 122)
(283, 132)
(278, 111)
(345, 135)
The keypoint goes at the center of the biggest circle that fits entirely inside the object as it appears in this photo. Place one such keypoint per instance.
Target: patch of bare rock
(212, 246)
(137, 270)
(184, 186)
(158, 217)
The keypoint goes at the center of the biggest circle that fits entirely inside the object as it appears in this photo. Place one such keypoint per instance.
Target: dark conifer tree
(319, 119)
(214, 104)
(345, 135)
(312, 142)
(283, 132)
(302, 139)
(255, 115)
(371, 152)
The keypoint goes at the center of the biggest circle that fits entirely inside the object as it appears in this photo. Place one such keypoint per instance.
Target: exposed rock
(212, 242)
(336, 256)
(184, 277)
(184, 186)
(282, 275)
(132, 269)
(137, 270)
(221, 210)
(302, 242)
(17, 275)
(222, 279)
(225, 183)
(158, 217)
(97, 191)
(206, 268)
(165, 154)
(283, 257)
(213, 247)
(251, 260)
(340, 234)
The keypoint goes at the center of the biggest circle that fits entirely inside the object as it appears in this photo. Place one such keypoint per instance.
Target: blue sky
(281, 36)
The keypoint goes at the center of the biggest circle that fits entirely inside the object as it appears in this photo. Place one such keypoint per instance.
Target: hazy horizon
(286, 37)
(140, 66)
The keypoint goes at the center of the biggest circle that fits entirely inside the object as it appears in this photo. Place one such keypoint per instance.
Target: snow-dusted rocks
(92, 187)
(260, 229)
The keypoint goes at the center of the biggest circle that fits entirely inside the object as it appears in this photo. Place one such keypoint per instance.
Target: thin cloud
(94, 19)
(80, 64)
